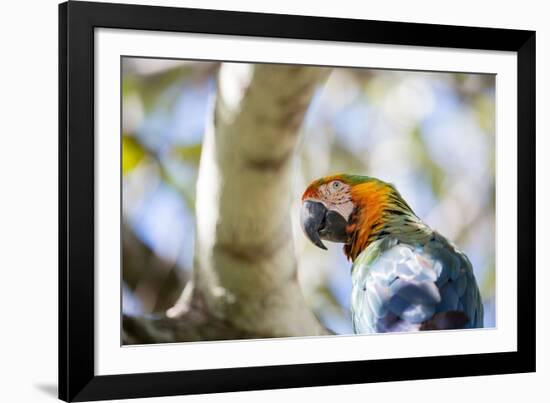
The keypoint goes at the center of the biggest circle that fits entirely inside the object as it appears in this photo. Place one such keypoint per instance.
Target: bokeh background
(430, 134)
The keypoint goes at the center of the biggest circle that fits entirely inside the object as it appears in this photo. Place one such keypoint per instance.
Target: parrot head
(353, 210)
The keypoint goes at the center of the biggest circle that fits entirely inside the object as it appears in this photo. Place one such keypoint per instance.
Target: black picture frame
(77, 21)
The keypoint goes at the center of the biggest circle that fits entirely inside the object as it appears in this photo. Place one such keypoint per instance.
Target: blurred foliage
(132, 153)
(431, 134)
(189, 154)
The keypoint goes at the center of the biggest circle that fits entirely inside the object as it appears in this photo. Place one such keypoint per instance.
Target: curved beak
(320, 223)
(312, 218)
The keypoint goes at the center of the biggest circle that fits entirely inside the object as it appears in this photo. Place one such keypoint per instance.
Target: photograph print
(270, 200)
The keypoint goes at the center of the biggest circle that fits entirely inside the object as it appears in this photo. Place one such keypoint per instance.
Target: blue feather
(399, 286)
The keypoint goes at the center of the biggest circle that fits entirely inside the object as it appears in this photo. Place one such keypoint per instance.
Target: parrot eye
(336, 185)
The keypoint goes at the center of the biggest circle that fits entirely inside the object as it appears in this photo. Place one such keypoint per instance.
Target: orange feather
(371, 198)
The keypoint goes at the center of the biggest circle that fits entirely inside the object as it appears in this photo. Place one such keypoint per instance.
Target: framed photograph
(259, 201)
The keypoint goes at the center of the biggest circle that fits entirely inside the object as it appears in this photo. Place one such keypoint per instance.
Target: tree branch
(245, 274)
(157, 282)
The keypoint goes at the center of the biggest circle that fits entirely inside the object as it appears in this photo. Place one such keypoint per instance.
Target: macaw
(405, 276)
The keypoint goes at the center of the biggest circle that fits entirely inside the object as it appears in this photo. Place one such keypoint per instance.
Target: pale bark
(245, 275)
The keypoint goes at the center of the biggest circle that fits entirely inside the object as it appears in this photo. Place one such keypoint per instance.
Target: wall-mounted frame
(91, 34)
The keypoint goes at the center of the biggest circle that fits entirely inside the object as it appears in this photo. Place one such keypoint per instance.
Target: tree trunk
(245, 275)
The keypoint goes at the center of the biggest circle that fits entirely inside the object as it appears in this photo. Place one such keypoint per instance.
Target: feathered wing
(399, 286)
